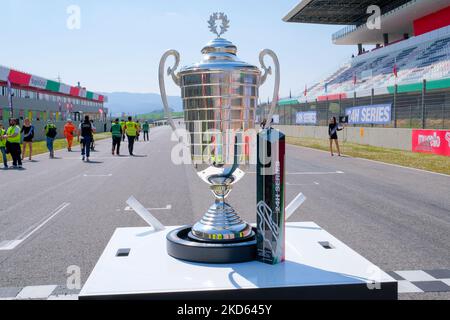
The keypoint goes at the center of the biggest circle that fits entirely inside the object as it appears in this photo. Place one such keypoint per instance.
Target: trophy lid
(219, 53)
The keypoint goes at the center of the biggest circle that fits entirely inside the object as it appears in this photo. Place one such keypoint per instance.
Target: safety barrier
(393, 138)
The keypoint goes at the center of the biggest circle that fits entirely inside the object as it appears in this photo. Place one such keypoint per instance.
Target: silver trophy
(220, 100)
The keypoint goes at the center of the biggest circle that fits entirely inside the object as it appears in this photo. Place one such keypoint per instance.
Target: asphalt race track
(62, 212)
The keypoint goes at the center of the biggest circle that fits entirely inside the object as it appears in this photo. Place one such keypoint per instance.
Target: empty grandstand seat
(427, 60)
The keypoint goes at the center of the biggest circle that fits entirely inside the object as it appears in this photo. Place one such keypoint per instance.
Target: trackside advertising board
(374, 114)
(306, 117)
(431, 141)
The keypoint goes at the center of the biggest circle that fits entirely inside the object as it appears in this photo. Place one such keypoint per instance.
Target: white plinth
(312, 270)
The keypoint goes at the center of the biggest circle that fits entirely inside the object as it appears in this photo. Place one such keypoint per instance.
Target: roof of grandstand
(397, 18)
(344, 12)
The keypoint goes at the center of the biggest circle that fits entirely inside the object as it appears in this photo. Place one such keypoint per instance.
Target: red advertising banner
(75, 91)
(21, 78)
(432, 22)
(431, 141)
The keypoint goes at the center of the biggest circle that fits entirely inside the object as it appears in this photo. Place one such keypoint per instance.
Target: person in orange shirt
(69, 132)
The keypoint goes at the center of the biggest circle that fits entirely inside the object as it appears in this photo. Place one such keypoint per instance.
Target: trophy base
(193, 237)
(181, 245)
(135, 266)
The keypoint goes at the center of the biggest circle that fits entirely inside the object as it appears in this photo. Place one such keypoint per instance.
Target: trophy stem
(221, 222)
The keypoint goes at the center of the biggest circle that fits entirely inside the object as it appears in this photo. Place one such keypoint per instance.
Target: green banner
(53, 86)
(415, 87)
(89, 95)
(288, 102)
(438, 84)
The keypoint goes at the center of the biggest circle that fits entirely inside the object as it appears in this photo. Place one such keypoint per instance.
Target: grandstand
(423, 57)
(39, 99)
(408, 67)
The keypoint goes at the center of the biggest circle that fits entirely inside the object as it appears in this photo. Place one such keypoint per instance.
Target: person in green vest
(146, 129)
(117, 133)
(13, 143)
(3, 145)
(50, 134)
(131, 131)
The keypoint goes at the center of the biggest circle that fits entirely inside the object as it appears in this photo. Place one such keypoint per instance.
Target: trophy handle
(267, 71)
(162, 85)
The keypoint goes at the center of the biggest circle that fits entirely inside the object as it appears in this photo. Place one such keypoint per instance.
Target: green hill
(158, 115)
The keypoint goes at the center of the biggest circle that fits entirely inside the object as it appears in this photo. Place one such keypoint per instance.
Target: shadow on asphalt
(93, 162)
(139, 156)
(30, 161)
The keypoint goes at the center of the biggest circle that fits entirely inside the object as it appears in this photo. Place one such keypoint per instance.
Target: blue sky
(120, 42)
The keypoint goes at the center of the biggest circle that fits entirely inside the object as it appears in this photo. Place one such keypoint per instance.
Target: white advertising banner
(309, 117)
(4, 73)
(38, 82)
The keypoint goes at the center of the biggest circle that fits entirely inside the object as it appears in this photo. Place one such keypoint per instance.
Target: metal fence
(423, 109)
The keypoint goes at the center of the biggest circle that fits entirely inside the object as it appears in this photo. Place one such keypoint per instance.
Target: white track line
(302, 184)
(12, 244)
(64, 297)
(97, 175)
(379, 162)
(168, 207)
(36, 292)
(294, 205)
(308, 173)
(314, 173)
(145, 214)
(97, 158)
(399, 166)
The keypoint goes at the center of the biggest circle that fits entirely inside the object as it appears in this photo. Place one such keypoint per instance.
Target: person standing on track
(122, 125)
(3, 146)
(13, 143)
(87, 132)
(50, 134)
(131, 132)
(94, 129)
(116, 130)
(138, 127)
(69, 132)
(146, 128)
(333, 128)
(28, 135)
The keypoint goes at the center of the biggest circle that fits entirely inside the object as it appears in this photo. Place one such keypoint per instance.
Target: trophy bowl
(220, 100)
